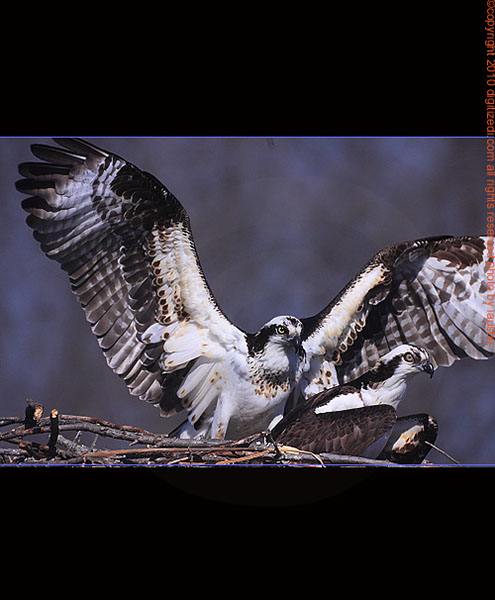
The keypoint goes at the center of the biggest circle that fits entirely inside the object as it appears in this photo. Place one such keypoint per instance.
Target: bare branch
(160, 449)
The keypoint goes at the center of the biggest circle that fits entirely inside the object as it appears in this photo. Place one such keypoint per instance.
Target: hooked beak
(427, 367)
(296, 343)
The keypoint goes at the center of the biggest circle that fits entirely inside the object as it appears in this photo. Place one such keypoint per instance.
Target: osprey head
(284, 332)
(386, 382)
(404, 361)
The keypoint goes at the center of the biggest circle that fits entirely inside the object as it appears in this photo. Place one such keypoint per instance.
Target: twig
(33, 414)
(254, 450)
(442, 452)
(247, 457)
(296, 451)
(54, 428)
(5, 421)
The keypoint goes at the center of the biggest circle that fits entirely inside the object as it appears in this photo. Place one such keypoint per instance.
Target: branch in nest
(160, 449)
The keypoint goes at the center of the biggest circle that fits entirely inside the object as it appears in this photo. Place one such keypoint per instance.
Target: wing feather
(342, 432)
(428, 292)
(126, 244)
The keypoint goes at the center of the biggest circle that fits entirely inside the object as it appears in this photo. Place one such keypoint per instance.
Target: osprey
(127, 246)
(312, 424)
(366, 431)
(384, 383)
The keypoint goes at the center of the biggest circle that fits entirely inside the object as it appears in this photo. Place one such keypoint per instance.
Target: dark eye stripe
(293, 320)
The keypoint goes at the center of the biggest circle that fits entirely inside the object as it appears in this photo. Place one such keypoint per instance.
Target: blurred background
(280, 225)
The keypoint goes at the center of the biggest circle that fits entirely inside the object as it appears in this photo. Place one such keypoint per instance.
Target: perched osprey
(373, 431)
(127, 246)
(384, 383)
(312, 424)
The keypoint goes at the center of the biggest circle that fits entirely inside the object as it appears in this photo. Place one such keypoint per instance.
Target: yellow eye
(409, 357)
(282, 330)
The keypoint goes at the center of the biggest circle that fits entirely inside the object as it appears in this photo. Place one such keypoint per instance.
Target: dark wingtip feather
(37, 169)
(80, 146)
(59, 156)
(29, 186)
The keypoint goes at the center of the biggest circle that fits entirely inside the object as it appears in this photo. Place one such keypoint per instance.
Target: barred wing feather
(127, 246)
(430, 292)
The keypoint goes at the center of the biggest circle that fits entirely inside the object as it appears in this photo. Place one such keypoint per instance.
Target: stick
(54, 428)
(442, 452)
(160, 448)
(32, 414)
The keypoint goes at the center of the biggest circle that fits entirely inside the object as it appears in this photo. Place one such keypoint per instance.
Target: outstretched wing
(429, 292)
(340, 432)
(126, 243)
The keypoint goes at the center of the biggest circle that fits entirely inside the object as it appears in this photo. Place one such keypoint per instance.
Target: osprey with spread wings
(126, 244)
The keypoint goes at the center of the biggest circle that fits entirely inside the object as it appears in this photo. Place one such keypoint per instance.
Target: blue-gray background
(280, 225)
